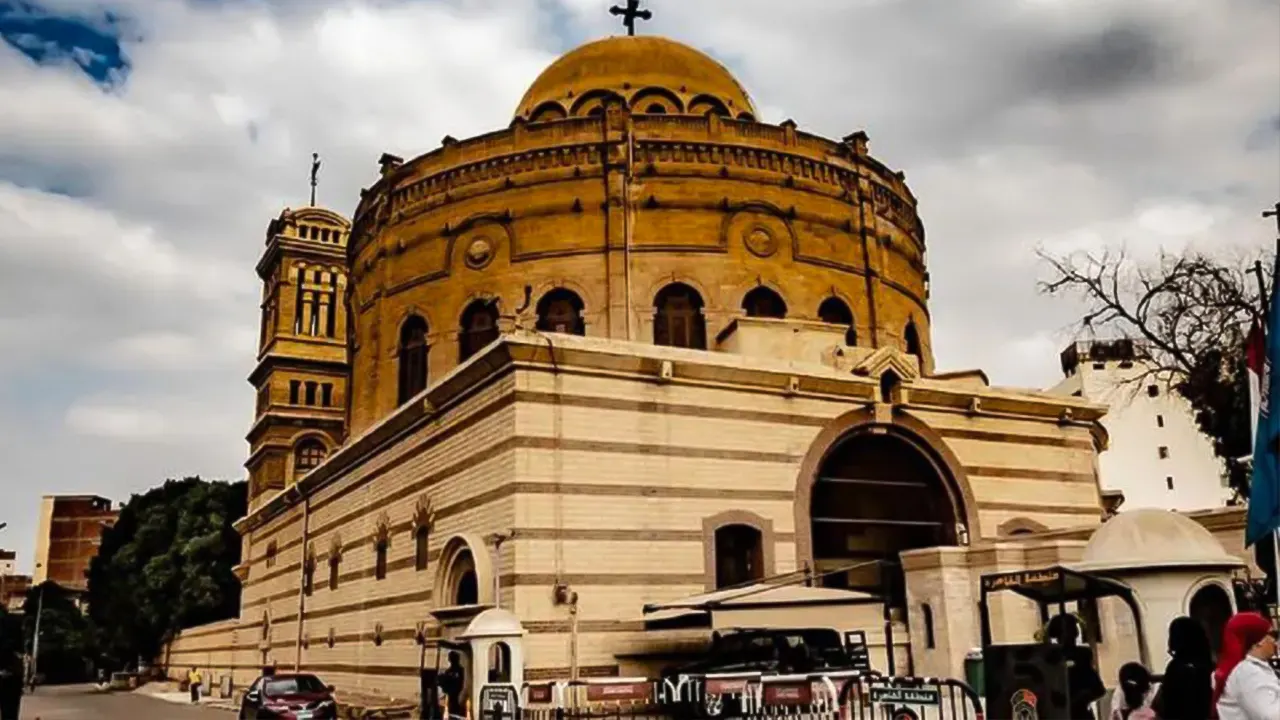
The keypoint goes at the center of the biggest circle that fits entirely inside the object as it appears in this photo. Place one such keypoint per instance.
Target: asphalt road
(81, 702)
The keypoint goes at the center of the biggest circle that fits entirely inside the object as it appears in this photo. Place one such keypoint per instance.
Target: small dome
(634, 67)
(1153, 539)
(494, 622)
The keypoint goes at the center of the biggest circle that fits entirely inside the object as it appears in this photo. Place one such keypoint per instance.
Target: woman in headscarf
(1186, 692)
(1245, 686)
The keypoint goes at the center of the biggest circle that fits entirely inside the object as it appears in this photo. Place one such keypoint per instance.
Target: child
(1135, 686)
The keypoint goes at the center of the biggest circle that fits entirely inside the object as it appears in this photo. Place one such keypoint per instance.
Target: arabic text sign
(905, 696)
(1029, 577)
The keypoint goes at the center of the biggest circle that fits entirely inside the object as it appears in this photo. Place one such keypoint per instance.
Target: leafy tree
(67, 644)
(166, 565)
(1192, 311)
(11, 635)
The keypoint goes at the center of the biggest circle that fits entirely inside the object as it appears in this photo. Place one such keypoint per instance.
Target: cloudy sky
(144, 144)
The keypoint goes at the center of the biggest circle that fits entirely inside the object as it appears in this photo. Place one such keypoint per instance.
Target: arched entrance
(1211, 607)
(464, 574)
(879, 491)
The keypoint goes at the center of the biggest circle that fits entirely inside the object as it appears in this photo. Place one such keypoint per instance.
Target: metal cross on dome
(630, 13)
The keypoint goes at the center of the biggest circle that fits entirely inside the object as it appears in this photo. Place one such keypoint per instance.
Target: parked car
(289, 697)
(769, 651)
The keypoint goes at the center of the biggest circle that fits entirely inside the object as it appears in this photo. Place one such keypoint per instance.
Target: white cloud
(117, 422)
(131, 218)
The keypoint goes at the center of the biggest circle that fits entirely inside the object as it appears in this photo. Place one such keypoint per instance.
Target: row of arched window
(678, 322)
(381, 547)
(654, 101)
(320, 234)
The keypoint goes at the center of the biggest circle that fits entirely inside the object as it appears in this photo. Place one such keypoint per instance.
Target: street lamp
(35, 640)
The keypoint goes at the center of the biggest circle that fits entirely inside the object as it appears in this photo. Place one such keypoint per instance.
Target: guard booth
(1032, 679)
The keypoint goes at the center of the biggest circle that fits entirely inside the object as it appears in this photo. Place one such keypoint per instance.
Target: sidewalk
(166, 692)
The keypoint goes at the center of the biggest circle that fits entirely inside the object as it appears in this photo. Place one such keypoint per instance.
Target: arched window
(929, 640)
(739, 555)
(499, 663)
(833, 311)
(889, 382)
(763, 302)
(560, 311)
(912, 338)
(479, 328)
(309, 575)
(413, 358)
(309, 453)
(656, 109)
(420, 538)
(678, 321)
(1211, 607)
(335, 563)
(380, 559)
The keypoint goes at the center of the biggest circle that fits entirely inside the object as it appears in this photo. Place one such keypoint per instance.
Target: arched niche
(1211, 606)
(465, 566)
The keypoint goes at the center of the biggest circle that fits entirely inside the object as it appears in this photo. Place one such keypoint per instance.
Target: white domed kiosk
(1174, 566)
(497, 656)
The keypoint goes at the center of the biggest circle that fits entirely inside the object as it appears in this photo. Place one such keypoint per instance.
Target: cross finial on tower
(315, 171)
(1273, 212)
(630, 13)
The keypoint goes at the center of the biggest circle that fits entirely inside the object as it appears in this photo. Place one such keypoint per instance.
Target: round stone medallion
(479, 253)
(760, 241)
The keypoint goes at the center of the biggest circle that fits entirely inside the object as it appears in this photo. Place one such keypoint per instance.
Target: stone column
(619, 215)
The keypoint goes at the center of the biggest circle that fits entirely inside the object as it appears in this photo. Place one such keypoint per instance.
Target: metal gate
(850, 695)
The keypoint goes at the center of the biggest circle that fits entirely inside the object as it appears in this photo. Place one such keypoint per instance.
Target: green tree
(166, 565)
(67, 649)
(1192, 311)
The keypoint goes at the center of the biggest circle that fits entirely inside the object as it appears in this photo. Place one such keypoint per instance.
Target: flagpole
(1275, 534)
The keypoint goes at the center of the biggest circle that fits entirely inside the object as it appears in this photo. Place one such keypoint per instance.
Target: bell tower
(302, 370)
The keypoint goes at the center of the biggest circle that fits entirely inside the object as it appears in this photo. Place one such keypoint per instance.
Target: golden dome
(646, 71)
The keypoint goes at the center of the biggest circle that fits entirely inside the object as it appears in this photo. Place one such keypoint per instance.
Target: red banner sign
(788, 693)
(539, 693)
(618, 692)
(726, 686)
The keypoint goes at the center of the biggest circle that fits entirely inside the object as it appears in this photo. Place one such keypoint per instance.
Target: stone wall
(722, 205)
(610, 481)
(214, 649)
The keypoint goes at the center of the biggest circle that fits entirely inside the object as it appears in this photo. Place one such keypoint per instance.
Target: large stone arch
(913, 433)
(462, 552)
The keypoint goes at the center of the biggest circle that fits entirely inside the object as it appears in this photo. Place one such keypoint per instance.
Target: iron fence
(848, 695)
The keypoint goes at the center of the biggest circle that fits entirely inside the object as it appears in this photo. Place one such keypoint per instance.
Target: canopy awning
(1053, 585)
(751, 597)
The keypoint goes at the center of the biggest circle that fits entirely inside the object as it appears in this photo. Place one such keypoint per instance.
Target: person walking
(1186, 691)
(11, 683)
(1245, 686)
(194, 679)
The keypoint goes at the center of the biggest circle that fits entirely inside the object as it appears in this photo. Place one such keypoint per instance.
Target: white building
(1158, 457)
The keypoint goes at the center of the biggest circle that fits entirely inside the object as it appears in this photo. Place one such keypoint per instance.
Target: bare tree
(1192, 312)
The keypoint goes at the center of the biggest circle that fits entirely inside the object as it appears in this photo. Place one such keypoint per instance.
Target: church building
(634, 347)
